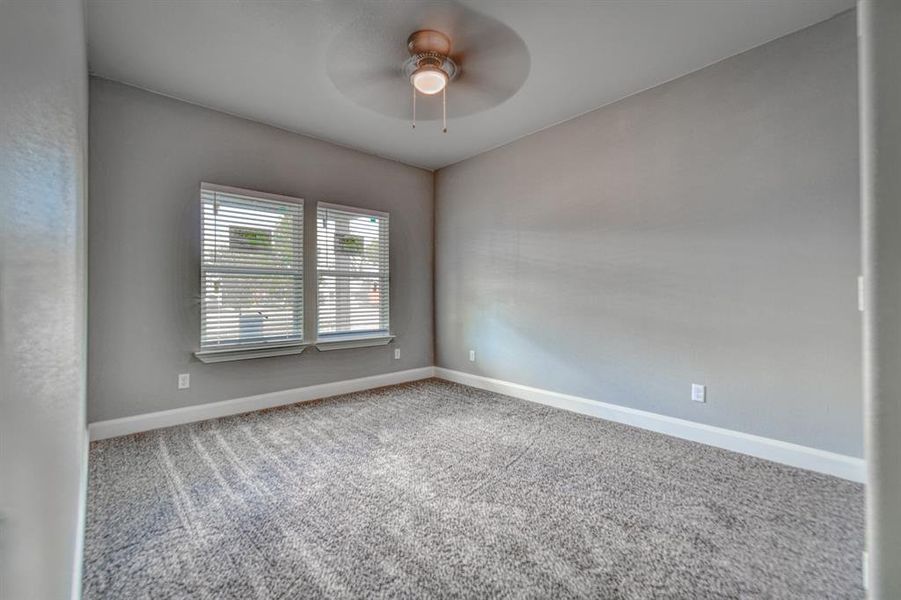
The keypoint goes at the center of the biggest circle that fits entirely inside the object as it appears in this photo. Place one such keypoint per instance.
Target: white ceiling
(268, 60)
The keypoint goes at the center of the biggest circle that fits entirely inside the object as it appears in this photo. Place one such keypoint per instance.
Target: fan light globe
(429, 80)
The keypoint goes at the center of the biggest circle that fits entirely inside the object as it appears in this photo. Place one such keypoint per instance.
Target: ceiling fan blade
(359, 76)
(385, 92)
(480, 92)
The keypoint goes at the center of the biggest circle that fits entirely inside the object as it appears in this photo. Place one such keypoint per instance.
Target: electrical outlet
(472, 356)
(698, 392)
(184, 381)
(397, 354)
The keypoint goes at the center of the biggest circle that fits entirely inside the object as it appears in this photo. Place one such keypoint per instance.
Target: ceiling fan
(430, 67)
(396, 51)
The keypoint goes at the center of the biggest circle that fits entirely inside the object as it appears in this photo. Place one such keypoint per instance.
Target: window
(352, 273)
(251, 273)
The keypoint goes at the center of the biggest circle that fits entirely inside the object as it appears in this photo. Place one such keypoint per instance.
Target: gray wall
(703, 231)
(43, 137)
(880, 142)
(148, 156)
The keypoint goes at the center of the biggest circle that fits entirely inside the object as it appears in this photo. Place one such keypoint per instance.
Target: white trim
(247, 352)
(189, 414)
(352, 209)
(339, 342)
(787, 453)
(249, 194)
(77, 571)
(795, 455)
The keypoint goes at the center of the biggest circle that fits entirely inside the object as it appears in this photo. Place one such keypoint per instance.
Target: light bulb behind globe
(429, 80)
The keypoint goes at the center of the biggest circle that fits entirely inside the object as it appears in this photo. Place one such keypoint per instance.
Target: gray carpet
(433, 489)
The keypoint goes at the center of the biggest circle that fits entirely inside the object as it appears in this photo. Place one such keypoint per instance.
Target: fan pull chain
(414, 107)
(444, 107)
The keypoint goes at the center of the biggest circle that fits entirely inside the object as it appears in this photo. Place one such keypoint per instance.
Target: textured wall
(148, 156)
(702, 231)
(43, 137)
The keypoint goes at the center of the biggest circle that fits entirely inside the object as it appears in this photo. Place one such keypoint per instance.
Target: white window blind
(251, 269)
(352, 271)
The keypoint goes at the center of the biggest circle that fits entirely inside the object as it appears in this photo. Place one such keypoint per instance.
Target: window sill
(214, 356)
(344, 342)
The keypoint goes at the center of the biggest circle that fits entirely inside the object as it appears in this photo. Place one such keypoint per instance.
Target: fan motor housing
(428, 40)
(429, 48)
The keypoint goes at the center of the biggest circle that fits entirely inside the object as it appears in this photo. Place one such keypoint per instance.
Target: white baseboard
(78, 558)
(189, 414)
(795, 455)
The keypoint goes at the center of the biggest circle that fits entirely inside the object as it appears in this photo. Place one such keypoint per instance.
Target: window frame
(342, 340)
(255, 349)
